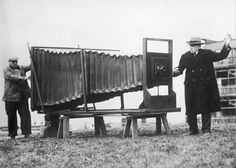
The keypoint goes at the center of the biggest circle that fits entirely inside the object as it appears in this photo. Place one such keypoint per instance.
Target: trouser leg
(10, 108)
(206, 122)
(192, 122)
(25, 116)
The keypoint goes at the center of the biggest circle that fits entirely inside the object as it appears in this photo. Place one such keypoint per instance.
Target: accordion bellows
(60, 81)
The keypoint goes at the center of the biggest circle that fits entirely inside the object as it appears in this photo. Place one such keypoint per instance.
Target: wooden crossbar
(113, 111)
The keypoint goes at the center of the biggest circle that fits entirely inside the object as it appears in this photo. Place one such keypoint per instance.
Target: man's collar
(16, 67)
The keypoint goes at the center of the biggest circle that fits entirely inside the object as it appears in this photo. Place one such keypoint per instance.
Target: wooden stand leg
(100, 126)
(65, 127)
(103, 127)
(134, 128)
(59, 130)
(158, 125)
(166, 125)
(127, 127)
(96, 126)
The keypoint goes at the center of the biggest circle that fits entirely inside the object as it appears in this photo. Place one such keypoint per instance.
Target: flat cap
(10, 59)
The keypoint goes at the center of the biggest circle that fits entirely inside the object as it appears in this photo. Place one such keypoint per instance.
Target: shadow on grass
(118, 133)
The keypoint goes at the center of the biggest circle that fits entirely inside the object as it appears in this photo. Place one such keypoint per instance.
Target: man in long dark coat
(201, 90)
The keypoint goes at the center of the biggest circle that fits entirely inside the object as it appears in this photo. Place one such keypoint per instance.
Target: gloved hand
(21, 77)
(175, 72)
(227, 39)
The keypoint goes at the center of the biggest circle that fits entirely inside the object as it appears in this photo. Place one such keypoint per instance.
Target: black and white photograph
(118, 84)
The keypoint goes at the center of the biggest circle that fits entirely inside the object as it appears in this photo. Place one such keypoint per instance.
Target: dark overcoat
(201, 90)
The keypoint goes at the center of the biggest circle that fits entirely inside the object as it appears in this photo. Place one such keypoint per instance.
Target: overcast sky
(115, 24)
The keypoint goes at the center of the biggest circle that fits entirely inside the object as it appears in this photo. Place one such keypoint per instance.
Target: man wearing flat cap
(201, 90)
(16, 94)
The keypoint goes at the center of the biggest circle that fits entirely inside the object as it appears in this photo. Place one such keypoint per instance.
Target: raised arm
(224, 51)
(26, 68)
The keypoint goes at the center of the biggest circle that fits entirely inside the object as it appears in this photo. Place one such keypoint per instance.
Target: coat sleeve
(181, 66)
(26, 68)
(8, 75)
(221, 55)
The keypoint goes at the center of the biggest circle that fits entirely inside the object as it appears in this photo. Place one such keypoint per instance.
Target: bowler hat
(195, 41)
(10, 59)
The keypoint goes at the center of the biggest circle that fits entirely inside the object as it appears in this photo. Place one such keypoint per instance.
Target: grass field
(83, 149)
